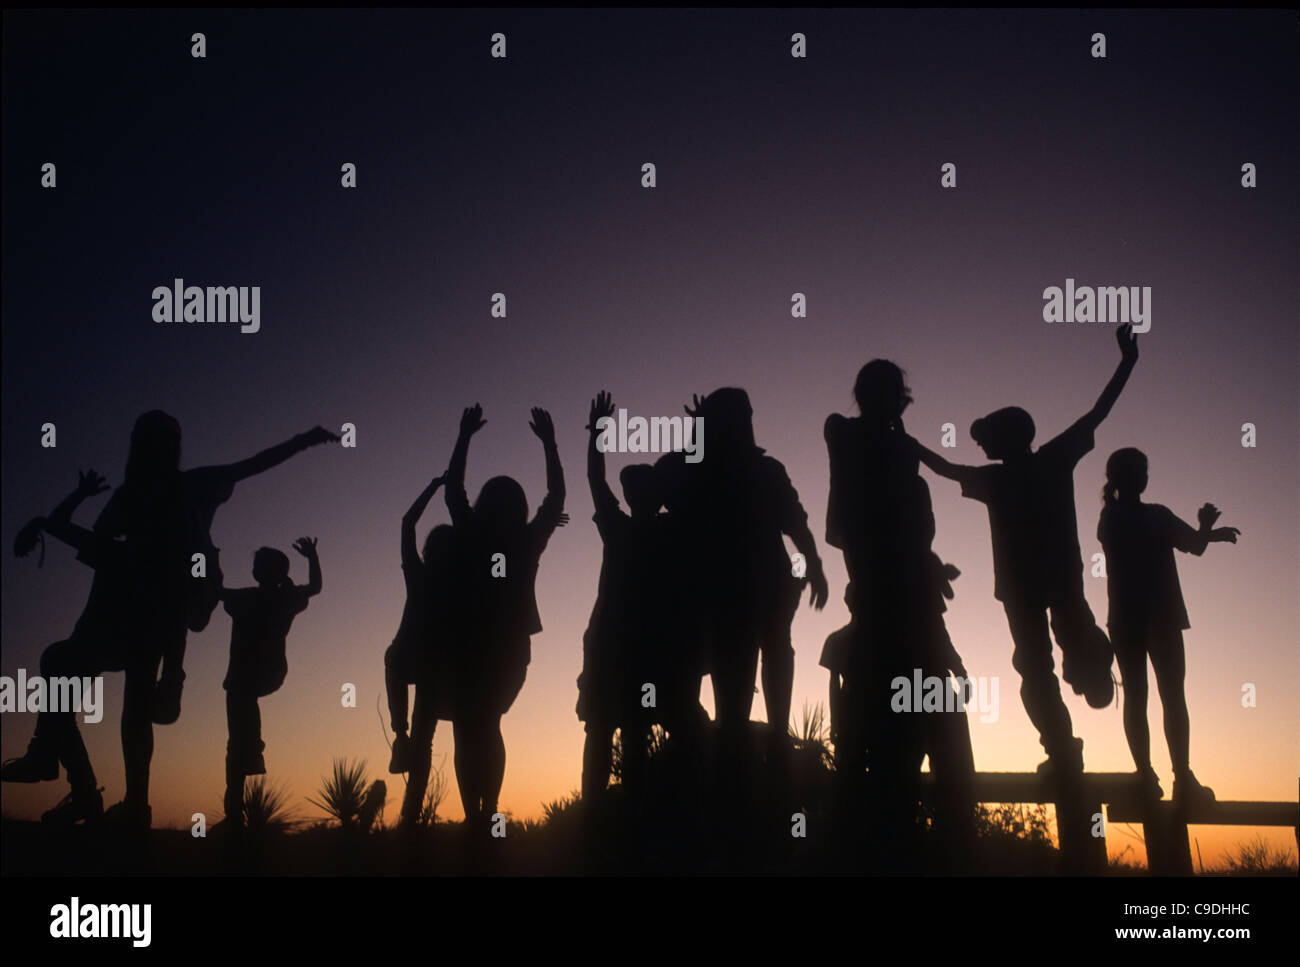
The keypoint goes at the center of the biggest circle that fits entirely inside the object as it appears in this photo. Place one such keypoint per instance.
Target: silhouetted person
(629, 643)
(1037, 565)
(95, 646)
(502, 549)
(735, 506)
(163, 517)
(879, 513)
(419, 654)
(1147, 613)
(261, 617)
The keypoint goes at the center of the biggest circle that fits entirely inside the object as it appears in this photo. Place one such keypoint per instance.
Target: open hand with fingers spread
(471, 421)
(542, 426)
(602, 406)
(306, 546)
(90, 483)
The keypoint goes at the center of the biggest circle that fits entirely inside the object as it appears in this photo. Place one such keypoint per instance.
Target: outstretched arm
(306, 546)
(1209, 534)
(953, 471)
(59, 522)
(601, 494)
(276, 455)
(1128, 359)
(410, 556)
(471, 421)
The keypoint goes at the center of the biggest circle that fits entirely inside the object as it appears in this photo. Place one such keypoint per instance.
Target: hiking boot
(77, 806)
(1148, 784)
(1066, 763)
(129, 816)
(38, 764)
(1189, 793)
(401, 759)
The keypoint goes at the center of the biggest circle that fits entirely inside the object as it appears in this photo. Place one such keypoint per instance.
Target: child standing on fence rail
(1147, 614)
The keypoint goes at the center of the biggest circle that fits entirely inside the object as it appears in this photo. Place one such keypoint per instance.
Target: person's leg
(465, 760)
(1169, 661)
(494, 764)
(238, 750)
(56, 736)
(137, 732)
(1086, 652)
(396, 681)
(1039, 689)
(421, 753)
(1131, 653)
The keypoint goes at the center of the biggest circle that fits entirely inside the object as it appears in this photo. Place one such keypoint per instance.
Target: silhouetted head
(881, 391)
(155, 451)
(729, 419)
(502, 506)
(270, 567)
(1004, 433)
(439, 550)
(1126, 475)
(641, 489)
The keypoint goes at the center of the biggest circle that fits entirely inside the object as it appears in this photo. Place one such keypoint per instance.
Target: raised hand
(697, 403)
(306, 546)
(601, 406)
(1226, 535)
(542, 426)
(318, 435)
(471, 421)
(564, 519)
(1207, 516)
(90, 483)
(1128, 343)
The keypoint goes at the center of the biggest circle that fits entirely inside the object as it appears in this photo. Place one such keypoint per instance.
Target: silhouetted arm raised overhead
(601, 494)
(410, 555)
(471, 421)
(59, 523)
(1128, 359)
(306, 546)
(552, 508)
(276, 455)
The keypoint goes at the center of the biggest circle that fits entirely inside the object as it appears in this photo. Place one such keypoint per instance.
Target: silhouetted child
(419, 653)
(96, 645)
(1037, 565)
(627, 631)
(737, 506)
(502, 549)
(261, 617)
(1147, 613)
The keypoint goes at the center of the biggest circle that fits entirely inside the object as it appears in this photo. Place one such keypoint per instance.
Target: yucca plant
(343, 794)
(434, 793)
(812, 736)
(266, 807)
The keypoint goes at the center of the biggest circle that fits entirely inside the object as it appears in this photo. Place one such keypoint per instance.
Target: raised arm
(553, 504)
(306, 546)
(601, 495)
(1128, 359)
(276, 455)
(59, 522)
(471, 421)
(411, 556)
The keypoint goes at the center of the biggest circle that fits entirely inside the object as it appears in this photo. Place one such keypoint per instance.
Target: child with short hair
(261, 617)
(1037, 564)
